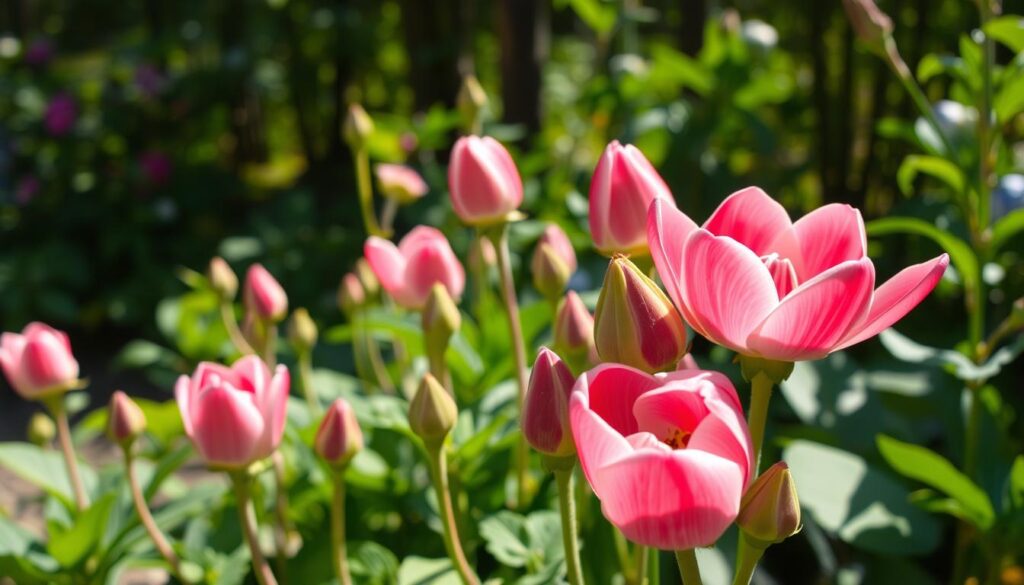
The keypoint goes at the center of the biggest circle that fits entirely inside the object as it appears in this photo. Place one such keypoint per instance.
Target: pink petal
(597, 443)
(274, 410)
(600, 197)
(829, 236)
(667, 231)
(670, 500)
(227, 426)
(433, 264)
(897, 297)
(750, 217)
(419, 237)
(726, 289)
(205, 374)
(508, 167)
(183, 395)
(645, 440)
(387, 264)
(253, 375)
(811, 321)
(611, 390)
(724, 433)
(665, 410)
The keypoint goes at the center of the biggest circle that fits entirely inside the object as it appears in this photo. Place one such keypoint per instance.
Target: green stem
(146, 517)
(361, 158)
(306, 379)
(625, 561)
(60, 416)
(439, 473)
(757, 418)
(227, 315)
(247, 518)
(282, 526)
(269, 352)
(688, 568)
(640, 564)
(499, 237)
(338, 530)
(654, 568)
(567, 507)
(746, 562)
(387, 214)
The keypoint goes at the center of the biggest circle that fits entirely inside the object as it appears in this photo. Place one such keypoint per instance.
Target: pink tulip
(668, 455)
(408, 271)
(555, 237)
(38, 362)
(546, 408)
(339, 437)
(264, 294)
(573, 331)
(757, 283)
(622, 188)
(483, 181)
(400, 182)
(235, 415)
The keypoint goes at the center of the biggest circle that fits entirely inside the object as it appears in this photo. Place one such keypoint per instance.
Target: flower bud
(38, 362)
(358, 127)
(471, 101)
(302, 331)
(222, 279)
(371, 286)
(125, 420)
(553, 263)
(399, 182)
(264, 295)
(41, 429)
(770, 510)
(483, 181)
(432, 412)
(546, 408)
(339, 437)
(574, 333)
(635, 323)
(872, 25)
(441, 318)
(351, 294)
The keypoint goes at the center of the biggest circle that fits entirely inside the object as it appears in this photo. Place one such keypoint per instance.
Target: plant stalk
(361, 158)
(748, 556)
(452, 544)
(146, 517)
(688, 568)
(338, 529)
(247, 518)
(227, 315)
(306, 379)
(282, 526)
(60, 416)
(757, 418)
(567, 508)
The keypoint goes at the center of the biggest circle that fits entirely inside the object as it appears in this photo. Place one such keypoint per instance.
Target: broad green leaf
(932, 469)
(505, 535)
(599, 16)
(1006, 228)
(44, 469)
(934, 166)
(1008, 30)
(373, 564)
(72, 545)
(857, 503)
(22, 557)
(960, 253)
(420, 571)
(958, 364)
(1010, 100)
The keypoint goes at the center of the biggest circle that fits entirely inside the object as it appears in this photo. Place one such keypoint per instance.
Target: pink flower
(400, 182)
(555, 237)
(235, 415)
(755, 282)
(60, 116)
(484, 183)
(621, 190)
(38, 362)
(408, 271)
(339, 437)
(546, 408)
(264, 294)
(668, 455)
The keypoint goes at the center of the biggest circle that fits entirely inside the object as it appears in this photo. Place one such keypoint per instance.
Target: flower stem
(146, 517)
(60, 416)
(567, 507)
(282, 527)
(640, 564)
(757, 418)
(306, 379)
(361, 159)
(388, 213)
(247, 518)
(747, 557)
(688, 568)
(439, 473)
(269, 352)
(499, 237)
(227, 315)
(622, 551)
(338, 530)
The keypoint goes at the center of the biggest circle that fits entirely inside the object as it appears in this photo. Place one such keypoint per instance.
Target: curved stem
(746, 562)
(640, 563)
(227, 315)
(146, 517)
(306, 379)
(757, 418)
(282, 527)
(688, 568)
(388, 213)
(361, 158)
(508, 294)
(339, 551)
(439, 471)
(567, 507)
(60, 416)
(247, 518)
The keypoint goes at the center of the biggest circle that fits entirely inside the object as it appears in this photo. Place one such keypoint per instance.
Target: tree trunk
(691, 33)
(524, 31)
(432, 39)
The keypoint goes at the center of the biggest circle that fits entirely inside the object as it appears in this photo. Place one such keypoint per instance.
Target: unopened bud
(264, 295)
(125, 420)
(351, 295)
(222, 279)
(339, 437)
(1017, 314)
(574, 333)
(635, 323)
(770, 510)
(471, 101)
(441, 318)
(872, 26)
(432, 412)
(553, 263)
(546, 408)
(371, 286)
(358, 127)
(41, 429)
(302, 331)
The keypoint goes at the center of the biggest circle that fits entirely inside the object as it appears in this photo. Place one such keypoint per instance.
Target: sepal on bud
(770, 510)
(546, 408)
(125, 420)
(41, 429)
(432, 412)
(553, 262)
(339, 437)
(441, 317)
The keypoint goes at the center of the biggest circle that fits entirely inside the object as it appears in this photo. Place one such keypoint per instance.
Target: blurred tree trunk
(691, 33)
(524, 31)
(432, 42)
(245, 110)
(819, 58)
(847, 118)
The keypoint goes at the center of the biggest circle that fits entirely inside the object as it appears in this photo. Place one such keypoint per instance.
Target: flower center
(782, 272)
(678, 438)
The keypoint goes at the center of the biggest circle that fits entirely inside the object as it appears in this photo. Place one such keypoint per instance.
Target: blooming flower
(38, 361)
(668, 455)
(757, 283)
(408, 271)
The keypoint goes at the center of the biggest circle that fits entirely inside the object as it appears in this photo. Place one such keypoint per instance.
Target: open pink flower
(38, 361)
(757, 283)
(235, 415)
(668, 455)
(408, 271)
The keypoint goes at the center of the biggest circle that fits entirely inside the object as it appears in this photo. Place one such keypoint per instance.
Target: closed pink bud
(409, 270)
(546, 409)
(339, 437)
(234, 416)
(125, 420)
(351, 294)
(483, 181)
(399, 182)
(264, 294)
(553, 263)
(574, 332)
(622, 188)
(38, 361)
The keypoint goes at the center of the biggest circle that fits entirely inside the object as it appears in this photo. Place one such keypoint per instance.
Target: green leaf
(72, 545)
(373, 564)
(505, 535)
(958, 364)
(421, 571)
(960, 253)
(930, 468)
(1016, 484)
(22, 557)
(598, 16)
(1006, 228)
(1010, 100)
(1008, 30)
(43, 469)
(934, 166)
(857, 503)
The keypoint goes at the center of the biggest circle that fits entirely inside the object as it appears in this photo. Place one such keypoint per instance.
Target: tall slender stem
(60, 416)
(306, 379)
(625, 561)
(640, 563)
(247, 518)
(508, 293)
(361, 158)
(567, 508)
(269, 351)
(747, 557)
(688, 568)
(338, 530)
(757, 418)
(388, 213)
(227, 315)
(282, 526)
(452, 544)
(142, 509)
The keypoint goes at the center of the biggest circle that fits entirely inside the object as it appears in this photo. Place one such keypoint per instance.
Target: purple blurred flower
(156, 167)
(39, 53)
(27, 189)
(61, 113)
(149, 80)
